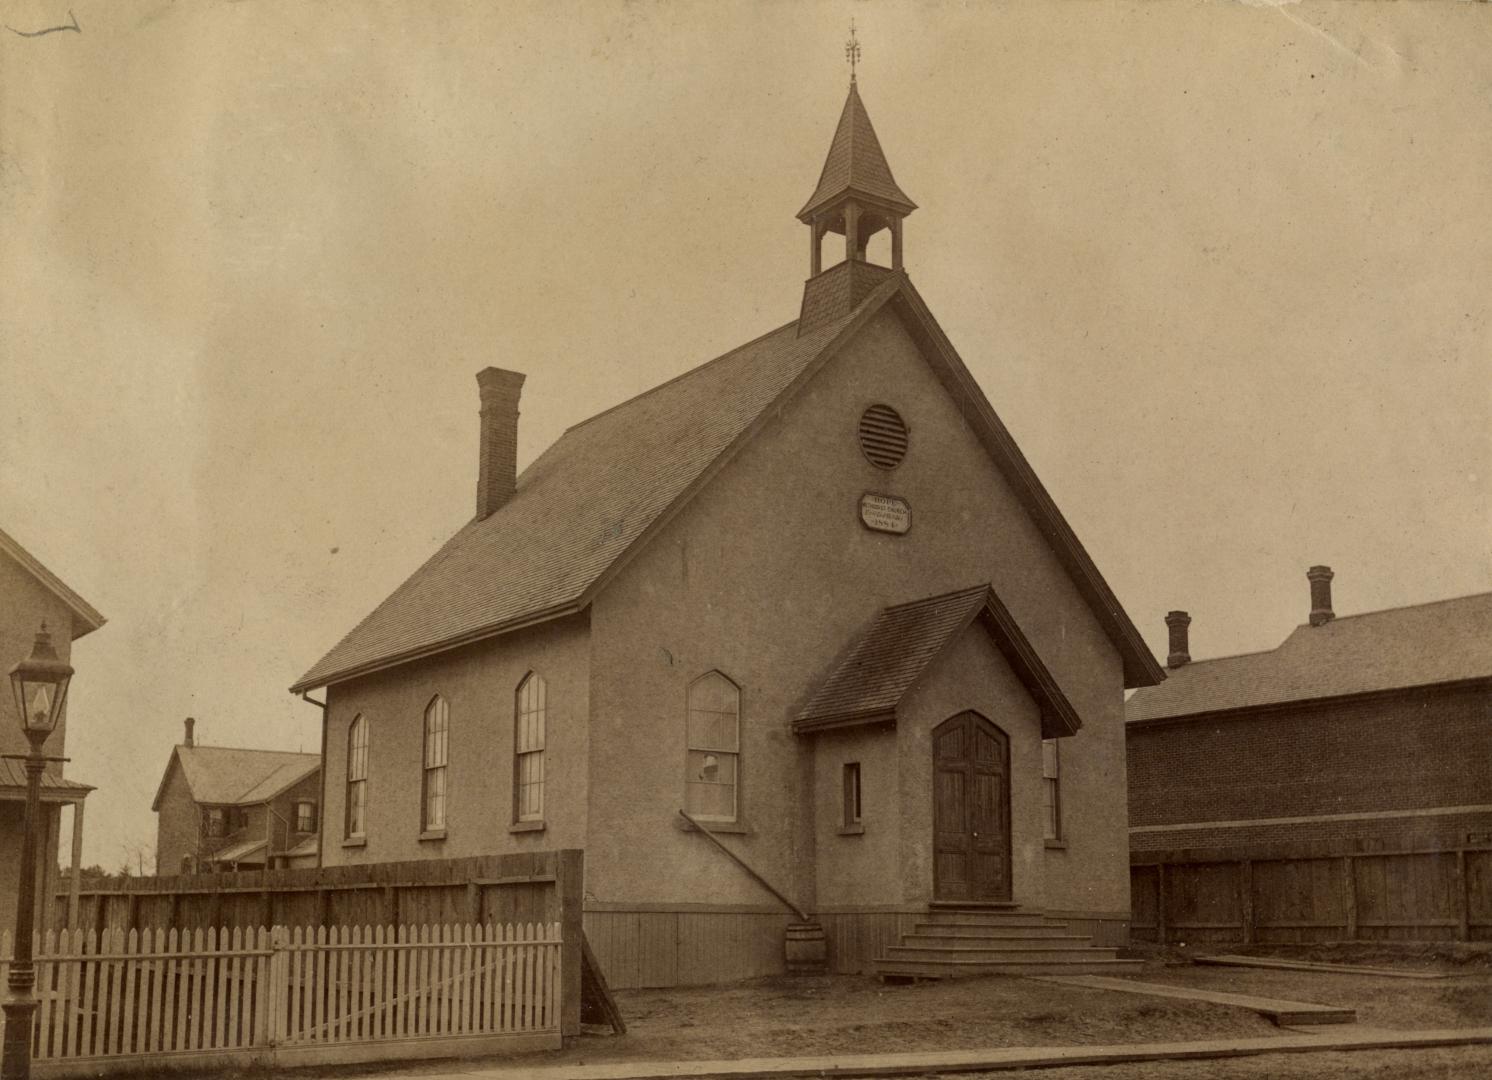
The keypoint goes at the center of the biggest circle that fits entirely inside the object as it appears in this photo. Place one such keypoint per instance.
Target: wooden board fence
(1203, 897)
(531, 887)
(131, 1000)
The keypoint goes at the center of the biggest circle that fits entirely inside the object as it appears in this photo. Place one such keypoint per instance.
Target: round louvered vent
(883, 436)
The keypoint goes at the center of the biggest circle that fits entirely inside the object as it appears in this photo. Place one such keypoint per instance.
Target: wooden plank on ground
(1282, 1012)
(1311, 965)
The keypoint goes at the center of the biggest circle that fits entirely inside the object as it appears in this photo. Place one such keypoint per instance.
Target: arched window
(357, 775)
(529, 708)
(437, 747)
(713, 733)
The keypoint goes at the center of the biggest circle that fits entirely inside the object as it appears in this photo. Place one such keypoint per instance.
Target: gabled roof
(228, 776)
(596, 496)
(855, 163)
(86, 618)
(1446, 641)
(904, 642)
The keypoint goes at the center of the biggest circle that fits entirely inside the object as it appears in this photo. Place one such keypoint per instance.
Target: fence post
(1246, 899)
(1463, 900)
(279, 984)
(1160, 903)
(1349, 885)
(569, 884)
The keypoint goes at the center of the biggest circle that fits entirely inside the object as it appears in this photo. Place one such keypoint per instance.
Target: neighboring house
(30, 596)
(224, 808)
(810, 592)
(1367, 732)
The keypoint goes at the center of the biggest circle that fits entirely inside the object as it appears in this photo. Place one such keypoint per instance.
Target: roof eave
(1234, 711)
(807, 725)
(313, 681)
(84, 613)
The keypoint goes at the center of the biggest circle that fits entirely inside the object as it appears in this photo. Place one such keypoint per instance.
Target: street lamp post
(40, 683)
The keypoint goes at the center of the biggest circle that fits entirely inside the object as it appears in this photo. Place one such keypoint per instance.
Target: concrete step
(954, 930)
(955, 969)
(1021, 953)
(1002, 940)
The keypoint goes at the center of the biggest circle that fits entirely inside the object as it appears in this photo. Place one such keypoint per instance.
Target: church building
(808, 598)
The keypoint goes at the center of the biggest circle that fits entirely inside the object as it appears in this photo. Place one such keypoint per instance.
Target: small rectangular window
(1051, 785)
(217, 822)
(852, 793)
(305, 817)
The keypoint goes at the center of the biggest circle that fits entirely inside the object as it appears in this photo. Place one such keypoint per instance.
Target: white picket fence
(148, 995)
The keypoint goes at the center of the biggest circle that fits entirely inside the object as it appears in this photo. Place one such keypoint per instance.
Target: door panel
(971, 810)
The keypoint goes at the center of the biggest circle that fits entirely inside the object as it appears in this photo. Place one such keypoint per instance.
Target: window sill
(355, 841)
(851, 830)
(526, 826)
(738, 828)
(1056, 845)
(433, 834)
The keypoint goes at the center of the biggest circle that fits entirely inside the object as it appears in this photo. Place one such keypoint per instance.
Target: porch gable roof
(905, 641)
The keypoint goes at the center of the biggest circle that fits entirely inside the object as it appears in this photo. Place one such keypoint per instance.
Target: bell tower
(856, 195)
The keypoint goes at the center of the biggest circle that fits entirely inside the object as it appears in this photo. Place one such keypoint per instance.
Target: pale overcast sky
(1224, 270)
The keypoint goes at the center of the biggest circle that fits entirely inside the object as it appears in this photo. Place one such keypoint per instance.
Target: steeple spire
(856, 194)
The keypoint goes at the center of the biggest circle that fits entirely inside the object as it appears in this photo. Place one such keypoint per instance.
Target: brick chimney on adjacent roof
(1320, 579)
(189, 725)
(1176, 623)
(497, 467)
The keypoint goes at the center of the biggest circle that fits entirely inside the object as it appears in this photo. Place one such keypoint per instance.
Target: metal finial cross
(852, 50)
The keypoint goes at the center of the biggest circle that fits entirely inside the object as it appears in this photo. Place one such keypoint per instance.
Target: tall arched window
(529, 708)
(713, 733)
(437, 747)
(357, 776)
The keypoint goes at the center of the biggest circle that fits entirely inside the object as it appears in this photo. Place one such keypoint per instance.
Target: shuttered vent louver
(883, 436)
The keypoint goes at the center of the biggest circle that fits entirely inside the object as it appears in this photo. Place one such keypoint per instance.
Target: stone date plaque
(885, 513)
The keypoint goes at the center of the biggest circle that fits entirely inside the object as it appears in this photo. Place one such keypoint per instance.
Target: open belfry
(797, 637)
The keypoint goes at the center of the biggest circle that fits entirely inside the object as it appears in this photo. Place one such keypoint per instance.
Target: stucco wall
(478, 682)
(767, 575)
(852, 867)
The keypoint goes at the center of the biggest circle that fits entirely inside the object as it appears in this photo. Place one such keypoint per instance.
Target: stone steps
(1004, 939)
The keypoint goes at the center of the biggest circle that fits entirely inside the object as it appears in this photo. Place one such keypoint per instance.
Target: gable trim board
(919, 634)
(1140, 667)
(85, 614)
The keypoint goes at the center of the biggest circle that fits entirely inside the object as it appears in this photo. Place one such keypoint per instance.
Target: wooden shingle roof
(904, 642)
(1448, 641)
(230, 776)
(608, 484)
(855, 163)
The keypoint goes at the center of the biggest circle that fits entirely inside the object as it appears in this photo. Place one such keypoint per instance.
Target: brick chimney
(1320, 579)
(1176, 623)
(497, 467)
(189, 725)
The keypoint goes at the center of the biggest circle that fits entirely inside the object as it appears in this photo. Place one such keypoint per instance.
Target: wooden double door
(971, 810)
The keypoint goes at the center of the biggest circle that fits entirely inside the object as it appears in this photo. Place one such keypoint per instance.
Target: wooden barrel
(806, 951)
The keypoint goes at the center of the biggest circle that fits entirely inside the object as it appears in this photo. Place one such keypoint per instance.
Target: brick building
(1367, 732)
(227, 808)
(811, 593)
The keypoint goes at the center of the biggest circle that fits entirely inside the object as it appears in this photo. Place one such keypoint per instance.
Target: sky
(1224, 270)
